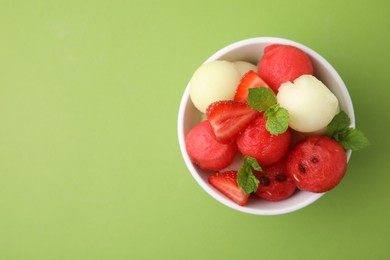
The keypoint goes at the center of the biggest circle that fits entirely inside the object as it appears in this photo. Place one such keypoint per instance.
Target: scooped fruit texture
(282, 63)
(275, 182)
(216, 80)
(205, 151)
(243, 67)
(272, 130)
(310, 104)
(213, 81)
(257, 142)
(317, 164)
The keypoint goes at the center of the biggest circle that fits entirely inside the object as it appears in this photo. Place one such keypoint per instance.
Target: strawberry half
(228, 118)
(250, 80)
(226, 182)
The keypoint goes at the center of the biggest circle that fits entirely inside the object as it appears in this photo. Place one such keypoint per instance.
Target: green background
(90, 166)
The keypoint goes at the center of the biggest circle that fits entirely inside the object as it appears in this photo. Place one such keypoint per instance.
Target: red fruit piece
(257, 142)
(317, 164)
(282, 63)
(205, 151)
(275, 183)
(250, 80)
(226, 182)
(228, 118)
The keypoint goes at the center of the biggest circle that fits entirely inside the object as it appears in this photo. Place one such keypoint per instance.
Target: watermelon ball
(205, 151)
(317, 164)
(257, 142)
(275, 182)
(282, 63)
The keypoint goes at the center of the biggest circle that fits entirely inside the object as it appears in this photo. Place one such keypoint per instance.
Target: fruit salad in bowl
(266, 126)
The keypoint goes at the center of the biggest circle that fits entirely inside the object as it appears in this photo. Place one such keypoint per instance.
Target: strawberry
(226, 182)
(250, 80)
(228, 118)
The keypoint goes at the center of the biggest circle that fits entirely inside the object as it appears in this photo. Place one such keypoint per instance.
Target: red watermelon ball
(317, 164)
(257, 142)
(205, 151)
(275, 183)
(282, 63)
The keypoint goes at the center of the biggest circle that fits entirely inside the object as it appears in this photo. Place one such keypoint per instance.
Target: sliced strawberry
(226, 182)
(250, 80)
(228, 118)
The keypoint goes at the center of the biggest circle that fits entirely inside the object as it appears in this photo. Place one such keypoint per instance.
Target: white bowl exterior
(251, 50)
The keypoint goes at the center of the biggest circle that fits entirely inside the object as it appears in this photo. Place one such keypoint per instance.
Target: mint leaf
(264, 99)
(348, 138)
(261, 98)
(253, 163)
(277, 122)
(339, 123)
(352, 139)
(338, 136)
(245, 176)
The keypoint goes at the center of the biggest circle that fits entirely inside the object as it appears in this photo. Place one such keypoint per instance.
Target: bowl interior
(251, 50)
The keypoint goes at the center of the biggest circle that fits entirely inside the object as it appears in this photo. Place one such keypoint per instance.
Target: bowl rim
(184, 102)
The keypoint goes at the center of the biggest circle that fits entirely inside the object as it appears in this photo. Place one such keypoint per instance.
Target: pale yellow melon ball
(310, 104)
(244, 66)
(213, 81)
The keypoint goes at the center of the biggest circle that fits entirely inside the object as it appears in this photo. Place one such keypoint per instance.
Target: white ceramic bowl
(251, 50)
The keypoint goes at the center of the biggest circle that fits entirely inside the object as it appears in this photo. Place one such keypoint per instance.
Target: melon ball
(310, 104)
(323, 130)
(244, 66)
(213, 81)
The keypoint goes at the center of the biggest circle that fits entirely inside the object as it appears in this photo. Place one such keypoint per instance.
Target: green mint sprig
(264, 100)
(349, 138)
(246, 179)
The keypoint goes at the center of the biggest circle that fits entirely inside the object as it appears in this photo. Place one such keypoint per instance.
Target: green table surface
(90, 166)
